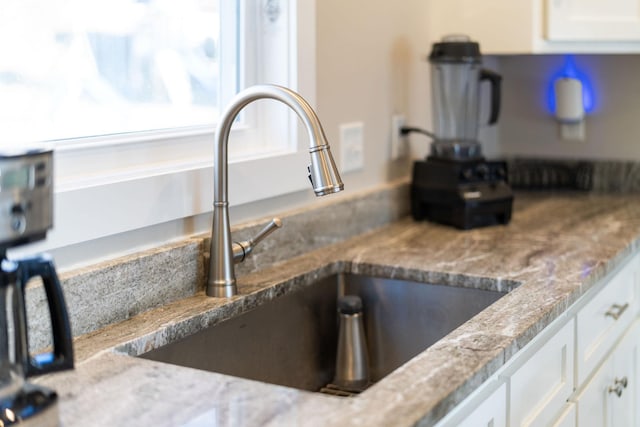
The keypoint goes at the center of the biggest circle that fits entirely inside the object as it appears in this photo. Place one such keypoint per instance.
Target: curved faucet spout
(323, 174)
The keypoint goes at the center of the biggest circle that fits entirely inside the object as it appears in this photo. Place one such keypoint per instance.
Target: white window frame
(90, 205)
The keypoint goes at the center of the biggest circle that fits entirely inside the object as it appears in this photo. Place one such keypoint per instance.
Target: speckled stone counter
(555, 249)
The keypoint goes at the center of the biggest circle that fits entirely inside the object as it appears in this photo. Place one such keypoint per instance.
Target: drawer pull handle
(616, 310)
(618, 386)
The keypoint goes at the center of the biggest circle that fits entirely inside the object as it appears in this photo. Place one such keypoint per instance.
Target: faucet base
(222, 291)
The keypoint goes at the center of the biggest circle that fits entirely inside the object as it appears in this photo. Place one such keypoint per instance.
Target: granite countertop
(555, 248)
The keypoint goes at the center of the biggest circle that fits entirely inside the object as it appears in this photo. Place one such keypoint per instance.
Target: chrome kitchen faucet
(323, 174)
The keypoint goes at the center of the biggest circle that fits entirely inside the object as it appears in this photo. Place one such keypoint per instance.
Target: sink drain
(335, 390)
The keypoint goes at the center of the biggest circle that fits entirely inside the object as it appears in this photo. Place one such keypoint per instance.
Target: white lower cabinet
(623, 391)
(486, 407)
(610, 397)
(603, 319)
(592, 402)
(567, 417)
(581, 371)
(492, 412)
(540, 387)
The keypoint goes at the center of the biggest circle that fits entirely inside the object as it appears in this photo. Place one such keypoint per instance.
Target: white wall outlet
(572, 131)
(351, 147)
(399, 142)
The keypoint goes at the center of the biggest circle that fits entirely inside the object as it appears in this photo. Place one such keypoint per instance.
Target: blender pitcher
(456, 74)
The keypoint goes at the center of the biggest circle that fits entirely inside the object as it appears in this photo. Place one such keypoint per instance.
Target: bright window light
(93, 67)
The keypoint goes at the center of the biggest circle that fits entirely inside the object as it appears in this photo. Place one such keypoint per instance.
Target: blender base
(462, 194)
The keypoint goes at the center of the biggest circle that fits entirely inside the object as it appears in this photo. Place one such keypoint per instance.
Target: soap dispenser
(352, 360)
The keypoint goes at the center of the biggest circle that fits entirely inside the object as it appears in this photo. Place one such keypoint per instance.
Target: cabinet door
(542, 385)
(568, 417)
(622, 393)
(593, 400)
(593, 20)
(610, 398)
(603, 320)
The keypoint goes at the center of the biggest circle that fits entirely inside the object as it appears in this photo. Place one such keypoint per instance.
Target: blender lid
(456, 48)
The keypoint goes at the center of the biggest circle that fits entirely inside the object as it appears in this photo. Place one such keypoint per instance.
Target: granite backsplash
(608, 176)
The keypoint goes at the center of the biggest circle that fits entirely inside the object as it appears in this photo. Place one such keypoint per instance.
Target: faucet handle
(242, 249)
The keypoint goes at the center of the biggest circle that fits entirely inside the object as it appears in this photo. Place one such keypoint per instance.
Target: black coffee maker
(456, 185)
(26, 213)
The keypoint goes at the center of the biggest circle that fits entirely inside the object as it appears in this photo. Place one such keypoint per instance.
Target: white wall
(371, 63)
(612, 129)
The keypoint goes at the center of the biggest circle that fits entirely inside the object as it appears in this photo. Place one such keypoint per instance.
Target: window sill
(114, 206)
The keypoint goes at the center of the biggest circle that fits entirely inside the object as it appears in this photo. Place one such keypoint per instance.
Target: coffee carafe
(456, 75)
(25, 216)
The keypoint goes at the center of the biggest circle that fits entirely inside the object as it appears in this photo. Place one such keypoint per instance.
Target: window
(129, 92)
(93, 67)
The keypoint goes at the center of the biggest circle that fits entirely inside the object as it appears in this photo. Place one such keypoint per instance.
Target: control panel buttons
(482, 171)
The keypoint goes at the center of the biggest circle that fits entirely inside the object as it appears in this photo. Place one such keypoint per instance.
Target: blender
(26, 213)
(455, 185)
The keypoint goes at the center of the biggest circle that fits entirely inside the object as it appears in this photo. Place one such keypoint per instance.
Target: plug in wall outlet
(398, 141)
(351, 147)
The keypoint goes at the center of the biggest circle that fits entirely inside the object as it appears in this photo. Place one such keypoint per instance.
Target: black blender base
(462, 194)
(464, 216)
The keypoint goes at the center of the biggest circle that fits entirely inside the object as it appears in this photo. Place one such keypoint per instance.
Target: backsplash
(585, 175)
(528, 129)
(611, 176)
(534, 174)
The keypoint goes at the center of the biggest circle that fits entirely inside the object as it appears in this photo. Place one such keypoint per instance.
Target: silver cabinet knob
(618, 386)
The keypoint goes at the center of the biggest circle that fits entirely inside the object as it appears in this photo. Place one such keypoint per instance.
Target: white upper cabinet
(593, 20)
(541, 26)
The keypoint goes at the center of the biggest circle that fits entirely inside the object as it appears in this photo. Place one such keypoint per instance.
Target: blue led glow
(569, 69)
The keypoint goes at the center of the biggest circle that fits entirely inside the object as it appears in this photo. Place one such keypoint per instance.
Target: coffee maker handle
(496, 83)
(62, 356)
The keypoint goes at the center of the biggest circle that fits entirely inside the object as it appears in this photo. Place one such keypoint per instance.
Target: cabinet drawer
(542, 385)
(602, 321)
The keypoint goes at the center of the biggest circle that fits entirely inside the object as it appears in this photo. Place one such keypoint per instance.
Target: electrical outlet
(351, 147)
(572, 131)
(398, 141)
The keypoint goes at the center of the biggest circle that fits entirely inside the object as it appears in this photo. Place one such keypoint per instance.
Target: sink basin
(292, 340)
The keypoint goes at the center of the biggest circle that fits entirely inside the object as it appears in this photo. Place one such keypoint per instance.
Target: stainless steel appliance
(456, 185)
(26, 192)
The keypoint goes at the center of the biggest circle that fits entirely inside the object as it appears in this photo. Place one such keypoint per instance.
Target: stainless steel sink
(291, 340)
